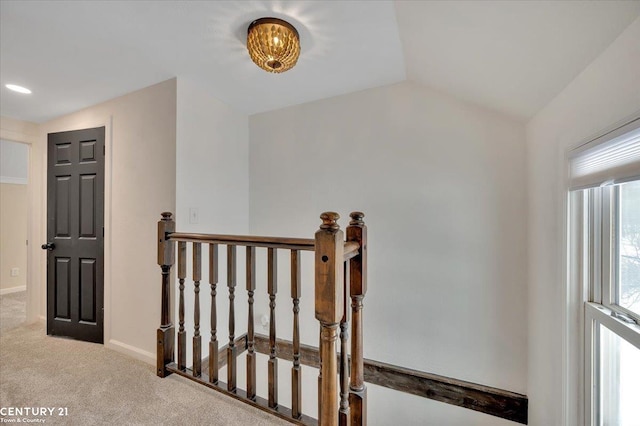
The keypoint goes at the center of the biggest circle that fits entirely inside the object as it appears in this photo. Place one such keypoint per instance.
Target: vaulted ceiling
(513, 57)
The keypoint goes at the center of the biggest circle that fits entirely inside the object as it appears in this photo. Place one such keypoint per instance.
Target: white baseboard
(14, 180)
(13, 290)
(37, 320)
(132, 351)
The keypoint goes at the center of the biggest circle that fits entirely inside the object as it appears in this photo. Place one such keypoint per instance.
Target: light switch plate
(15, 272)
(194, 215)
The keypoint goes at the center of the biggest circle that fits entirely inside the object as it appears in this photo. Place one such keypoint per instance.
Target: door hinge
(103, 231)
(104, 150)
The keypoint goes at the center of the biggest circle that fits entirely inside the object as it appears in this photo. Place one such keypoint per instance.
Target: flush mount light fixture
(273, 44)
(17, 88)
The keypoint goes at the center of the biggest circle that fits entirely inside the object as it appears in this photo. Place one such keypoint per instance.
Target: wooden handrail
(307, 244)
(336, 301)
(351, 249)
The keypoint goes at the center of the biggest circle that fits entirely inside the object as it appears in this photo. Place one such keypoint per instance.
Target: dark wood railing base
(239, 394)
(485, 399)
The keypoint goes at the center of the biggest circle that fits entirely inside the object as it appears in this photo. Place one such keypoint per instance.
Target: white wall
(212, 176)
(27, 133)
(212, 162)
(13, 237)
(140, 178)
(442, 184)
(14, 162)
(607, 91)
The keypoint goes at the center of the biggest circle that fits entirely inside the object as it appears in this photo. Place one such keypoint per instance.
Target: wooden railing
(342, 393)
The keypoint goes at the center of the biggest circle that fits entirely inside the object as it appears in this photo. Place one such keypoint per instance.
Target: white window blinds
(609, 159)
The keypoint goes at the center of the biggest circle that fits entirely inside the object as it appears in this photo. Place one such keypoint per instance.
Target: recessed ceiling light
(17, 88)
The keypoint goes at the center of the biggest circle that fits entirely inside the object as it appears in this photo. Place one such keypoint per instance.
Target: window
(604, 267)
(628, 258)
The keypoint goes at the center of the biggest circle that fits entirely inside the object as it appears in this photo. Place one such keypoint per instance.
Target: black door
(75, 234)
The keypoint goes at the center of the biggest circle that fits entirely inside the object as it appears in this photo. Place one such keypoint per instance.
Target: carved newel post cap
(356, 218)
(166, 216)
(329, 221)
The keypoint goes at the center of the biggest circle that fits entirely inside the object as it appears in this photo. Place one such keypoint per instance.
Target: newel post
(166, 258)
(329, 302)
(357, 231)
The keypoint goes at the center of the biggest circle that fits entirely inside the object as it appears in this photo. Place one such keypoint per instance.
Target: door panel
(63, 206)
(87, 290)
(87, 206)
(63, 291)
(75, 221)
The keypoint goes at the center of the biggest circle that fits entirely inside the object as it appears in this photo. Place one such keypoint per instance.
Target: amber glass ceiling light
(273, 44)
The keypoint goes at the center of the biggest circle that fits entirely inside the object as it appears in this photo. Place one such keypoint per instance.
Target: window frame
(592, 268)
(600, 211)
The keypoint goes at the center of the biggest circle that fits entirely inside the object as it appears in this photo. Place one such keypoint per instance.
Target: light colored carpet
(13, 310)
(99, 386)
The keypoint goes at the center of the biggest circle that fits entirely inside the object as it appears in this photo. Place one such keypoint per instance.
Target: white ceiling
(513, 57)
(78, 53)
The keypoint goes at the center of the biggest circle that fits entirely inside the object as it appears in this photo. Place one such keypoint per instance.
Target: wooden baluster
(213, 344)
(296, 372)
(166, 332)
(329, 307)
(251, 356)
(272, 288)
(357, 231)
(231, 349)
(344, 357)
(320, 378)
(182, 334)
(197, 339)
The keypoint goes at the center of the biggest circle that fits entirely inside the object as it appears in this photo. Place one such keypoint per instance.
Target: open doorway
(14, 167)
